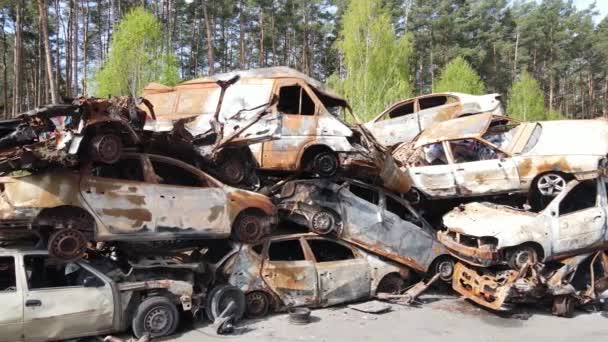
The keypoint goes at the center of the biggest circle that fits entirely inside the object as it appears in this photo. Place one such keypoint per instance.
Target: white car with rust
(308, 270)
(404, 120)
(140, 198)
(485, 154)
(45, 299)
(486, 234)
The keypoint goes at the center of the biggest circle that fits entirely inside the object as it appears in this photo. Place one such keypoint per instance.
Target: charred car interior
(260, 191)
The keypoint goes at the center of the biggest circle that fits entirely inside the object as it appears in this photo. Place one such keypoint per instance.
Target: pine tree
(136, 57)
(526, 100)
(376, 60)
(459, 76)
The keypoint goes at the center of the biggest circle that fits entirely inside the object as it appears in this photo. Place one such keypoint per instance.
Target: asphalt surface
(438, 318)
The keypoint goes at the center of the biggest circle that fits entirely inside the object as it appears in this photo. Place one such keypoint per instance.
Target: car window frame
(448, 147)
(87, 170)
(266, 255)
(305, 240)
(561, 197)
(79, 263)
(210, 181)
(15, 268)
(426, 227)
(304, 87)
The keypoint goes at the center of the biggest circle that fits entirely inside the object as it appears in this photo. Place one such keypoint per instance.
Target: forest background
(548, 58)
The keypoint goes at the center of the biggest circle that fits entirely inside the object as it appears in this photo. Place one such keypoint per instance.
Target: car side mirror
(92, 281)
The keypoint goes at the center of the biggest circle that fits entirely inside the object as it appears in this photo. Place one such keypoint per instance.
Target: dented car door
(121, 197)
(187, 203)
(290, 273)
(11, 297)
(361, 207)
(59, 306)
(343, 275)
(396, 125)
(433, 174)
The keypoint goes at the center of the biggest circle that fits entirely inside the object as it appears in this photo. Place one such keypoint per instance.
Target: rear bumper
(473, 255)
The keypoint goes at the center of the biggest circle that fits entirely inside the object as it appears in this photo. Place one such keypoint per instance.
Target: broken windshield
(501, 132)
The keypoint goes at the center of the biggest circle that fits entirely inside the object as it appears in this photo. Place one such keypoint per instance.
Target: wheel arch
(309, 151)
(51, 216)
(538, 248)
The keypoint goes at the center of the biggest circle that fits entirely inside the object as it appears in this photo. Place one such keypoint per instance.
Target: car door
(432, 173)
(343, 275)
(121, 196)
(361, 209)
(58, 306)
(290, 273)
(188, 204)
(298, 112)
(481, 169)
(11, 297)
(581, 218)
(398, 124)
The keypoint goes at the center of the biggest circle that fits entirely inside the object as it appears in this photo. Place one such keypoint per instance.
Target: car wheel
(232, 168)
(220, 298)
(67, 244)
(155, 316)
(250, 227)
(519, 256)
(550, 184)
(258, 304)
(391, 283)
(563, 306)
(325, 164)
(106, 148)
(323, 222)
(445, 268)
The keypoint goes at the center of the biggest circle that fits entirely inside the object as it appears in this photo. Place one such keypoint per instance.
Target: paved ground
(440, 318)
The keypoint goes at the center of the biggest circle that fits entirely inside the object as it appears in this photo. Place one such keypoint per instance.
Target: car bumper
(484, 289)
(473, 255)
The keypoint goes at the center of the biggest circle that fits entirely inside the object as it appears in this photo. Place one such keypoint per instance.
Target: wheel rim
(551, 184)
(326, 164)
(67, 244)
(257, 304)
(107, 148)
(322, 222)
(445, 269)
(233, 170)
(158, 321)
(249, 228)
(522, 257)
(224, 302)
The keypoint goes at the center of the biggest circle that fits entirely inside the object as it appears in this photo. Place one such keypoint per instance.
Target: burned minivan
(369, 217)
(272, 119)
(139, 199)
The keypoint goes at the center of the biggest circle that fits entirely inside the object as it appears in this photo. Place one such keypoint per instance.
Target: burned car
(140, 198)
(578, 281)
(485, 154)
(369, 217)
(308, 270)
(272, 119)
(488, 234)
(61, 134)
(404, 120)
(45, 299)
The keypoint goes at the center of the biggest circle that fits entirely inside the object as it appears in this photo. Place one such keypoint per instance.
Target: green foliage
(136, 57)
(459, 76)
(376, 61)
(526, 100)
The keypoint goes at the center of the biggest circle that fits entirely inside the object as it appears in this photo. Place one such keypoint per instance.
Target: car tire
(258, 304)
(325, 164)
(517, 257)
(444, 266)
(105, 148)
(250, 226)
(67, 244)
(391, 283)
(323, 222)
(155, 316)
(220, 297)
(233, 168)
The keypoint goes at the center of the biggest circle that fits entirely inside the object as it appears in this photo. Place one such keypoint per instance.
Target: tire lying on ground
(220, 298)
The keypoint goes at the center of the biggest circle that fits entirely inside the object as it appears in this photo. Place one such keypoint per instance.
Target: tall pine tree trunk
(261, 61)
(6, 105)
(242, 57)
(17, 63)
(42, 12)
(210, 52)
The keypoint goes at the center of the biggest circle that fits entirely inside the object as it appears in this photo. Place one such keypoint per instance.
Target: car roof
(472, 126)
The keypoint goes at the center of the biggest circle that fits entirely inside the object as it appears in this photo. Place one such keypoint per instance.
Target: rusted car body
(488, 234)
(404, 120)
(47, 300)
(488, 155)
(369, 217)
(575, 281)
(283, 119)
(308, 270)
(141, 197)
(61, 134)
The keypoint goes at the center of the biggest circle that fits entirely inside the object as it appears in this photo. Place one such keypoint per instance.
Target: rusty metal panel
(343, 281)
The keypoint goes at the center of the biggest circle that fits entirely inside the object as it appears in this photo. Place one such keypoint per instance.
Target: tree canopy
(526, 100)
(459, 76)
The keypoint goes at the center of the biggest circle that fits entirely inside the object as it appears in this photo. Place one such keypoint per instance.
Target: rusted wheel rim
(551, 184)
(107, 148)
(323, 222)
(233, 170)
(445, 269)
(67, 244)
(158, 321)
(257, 304)
(523, 256)
(391, 284)
(326, 164)
(249, 228)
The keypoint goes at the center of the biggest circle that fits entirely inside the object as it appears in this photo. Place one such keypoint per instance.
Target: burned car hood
(486, 219)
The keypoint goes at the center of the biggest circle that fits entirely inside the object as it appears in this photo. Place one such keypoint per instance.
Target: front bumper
(484, 289)
(480, 256)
